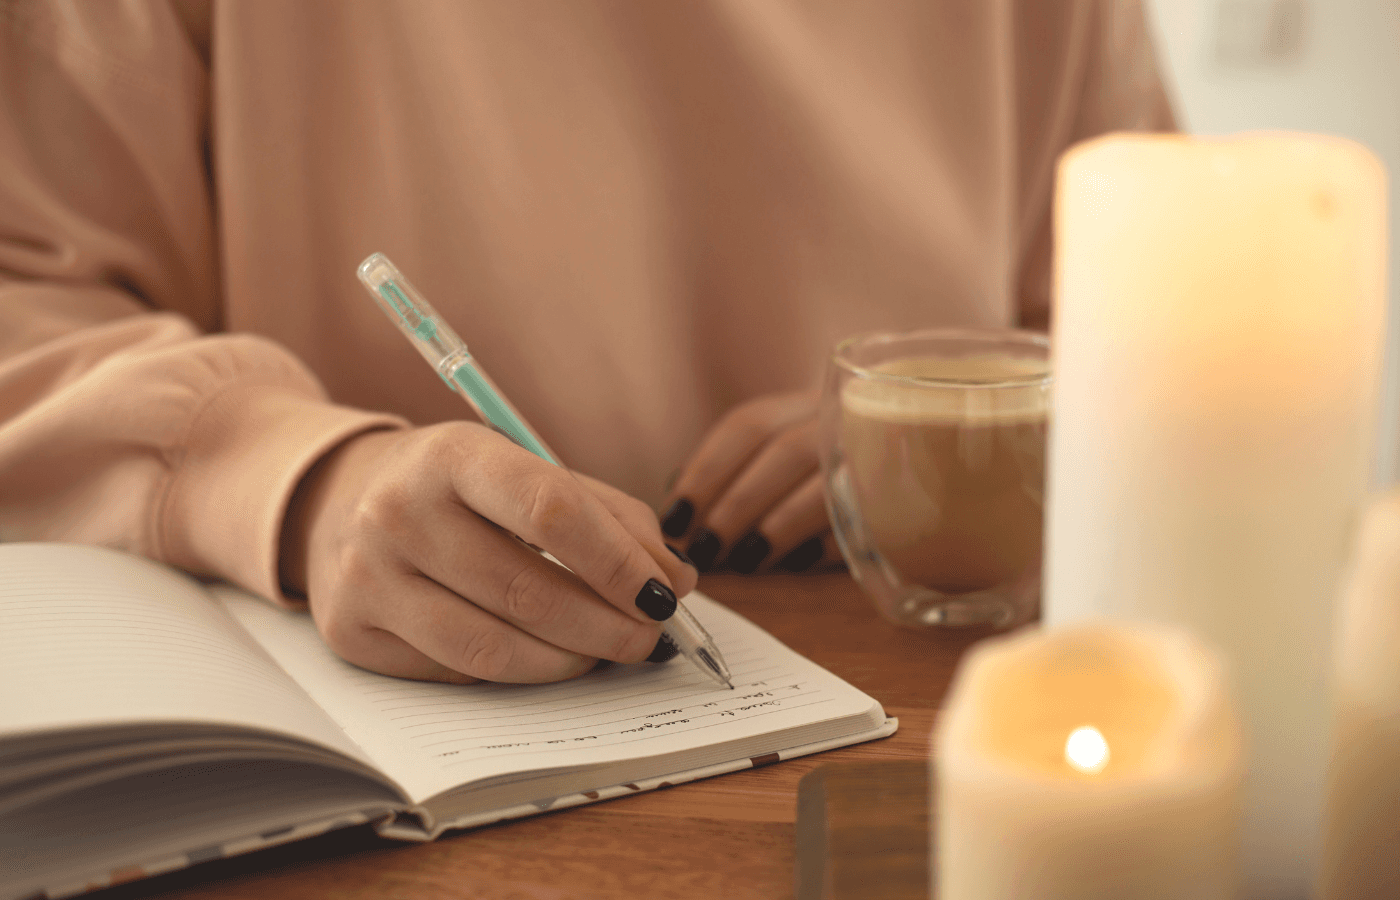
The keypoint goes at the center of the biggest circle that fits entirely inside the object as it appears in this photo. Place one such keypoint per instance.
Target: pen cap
(446, 353)
(407, 309)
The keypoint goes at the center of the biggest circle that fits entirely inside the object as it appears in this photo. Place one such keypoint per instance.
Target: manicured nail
(666, 649)
(803, 555)
(676, 520)
(748, 553)
(656, 600)
(704, 550)
(681, 556)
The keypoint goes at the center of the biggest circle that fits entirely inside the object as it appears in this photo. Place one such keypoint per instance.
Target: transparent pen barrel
(692, 640)
(476, 387)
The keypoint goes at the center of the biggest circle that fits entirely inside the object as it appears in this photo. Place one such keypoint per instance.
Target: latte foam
(984, 389)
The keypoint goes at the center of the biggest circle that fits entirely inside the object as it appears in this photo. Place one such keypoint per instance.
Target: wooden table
(722, 838)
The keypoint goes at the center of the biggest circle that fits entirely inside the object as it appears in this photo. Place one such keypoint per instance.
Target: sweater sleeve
(125, 419)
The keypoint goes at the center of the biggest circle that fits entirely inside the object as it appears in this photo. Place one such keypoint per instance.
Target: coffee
(947, 464)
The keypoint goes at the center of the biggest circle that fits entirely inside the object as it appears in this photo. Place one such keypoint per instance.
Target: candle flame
(1086, 750)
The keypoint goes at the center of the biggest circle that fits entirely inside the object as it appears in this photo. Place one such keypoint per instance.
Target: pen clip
(425, 328)
(410, 312)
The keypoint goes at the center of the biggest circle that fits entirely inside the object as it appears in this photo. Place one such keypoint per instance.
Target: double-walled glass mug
(933, 454)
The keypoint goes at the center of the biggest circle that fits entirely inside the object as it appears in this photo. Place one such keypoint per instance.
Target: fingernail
(704, 549)
(676, 520)
(656, 600)
(803, 555)
(681, 556)
(748, 553)
(666, 649)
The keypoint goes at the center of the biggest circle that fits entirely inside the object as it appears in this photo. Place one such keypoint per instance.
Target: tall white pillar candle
(1219, 316)
(1090, 763)
(1361, 822)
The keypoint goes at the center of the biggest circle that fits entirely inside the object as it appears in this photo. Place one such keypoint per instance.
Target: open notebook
(148, 722)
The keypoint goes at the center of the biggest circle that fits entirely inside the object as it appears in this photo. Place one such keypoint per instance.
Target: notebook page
(433, 737)
(92, 637)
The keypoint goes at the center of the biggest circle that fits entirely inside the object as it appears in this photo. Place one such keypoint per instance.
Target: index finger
(640, 521)
(550, 508)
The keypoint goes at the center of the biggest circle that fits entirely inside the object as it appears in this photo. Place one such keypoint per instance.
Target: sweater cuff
(243, 456)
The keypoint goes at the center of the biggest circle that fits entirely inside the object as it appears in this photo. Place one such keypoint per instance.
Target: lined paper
(93, 637)
(432, 737)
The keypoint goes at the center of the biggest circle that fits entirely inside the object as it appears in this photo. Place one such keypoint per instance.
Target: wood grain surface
(863, 831)
(722, 838)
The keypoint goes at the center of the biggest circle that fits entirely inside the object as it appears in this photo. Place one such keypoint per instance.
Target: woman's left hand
(751, 495)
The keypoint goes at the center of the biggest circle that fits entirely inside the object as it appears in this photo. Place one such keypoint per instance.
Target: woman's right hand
(404, 543)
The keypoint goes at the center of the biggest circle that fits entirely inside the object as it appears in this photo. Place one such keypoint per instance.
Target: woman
(649, 221)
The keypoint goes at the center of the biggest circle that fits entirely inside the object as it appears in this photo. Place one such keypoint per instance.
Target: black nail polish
(681, 556)
(676, 520)
(704, 550)
(656, 600)
(666, 649)
(748, 553)
(803, 556)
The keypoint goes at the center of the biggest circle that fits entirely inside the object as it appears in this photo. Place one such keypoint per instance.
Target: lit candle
(1361, 833)
(1219, 318)
(1090, 763)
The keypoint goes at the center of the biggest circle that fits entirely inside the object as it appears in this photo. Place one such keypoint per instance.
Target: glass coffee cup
(933, 457)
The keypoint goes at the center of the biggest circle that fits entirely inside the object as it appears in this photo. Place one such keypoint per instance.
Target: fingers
(427, 632)
(795, 535)
(764, 488)
(815, 553)
(723, 454)
(388, 654)
(521, 588)
(550, 508)
(798, 517)
(752, 492)
(733, 440)
(497, 611)
(641, 523)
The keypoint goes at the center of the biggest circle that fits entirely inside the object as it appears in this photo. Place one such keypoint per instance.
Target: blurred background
(1307, 65)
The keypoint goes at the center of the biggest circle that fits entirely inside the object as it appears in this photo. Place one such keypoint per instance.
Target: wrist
(312, 503)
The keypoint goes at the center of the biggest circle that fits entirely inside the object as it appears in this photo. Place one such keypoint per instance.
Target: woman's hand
(404, 543)
(752, 494)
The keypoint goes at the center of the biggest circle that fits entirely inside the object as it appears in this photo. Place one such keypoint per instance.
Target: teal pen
(447, 354)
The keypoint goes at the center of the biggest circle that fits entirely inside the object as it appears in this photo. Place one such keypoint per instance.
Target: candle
(1219, 317)
(1361, 834)
(1095, 762)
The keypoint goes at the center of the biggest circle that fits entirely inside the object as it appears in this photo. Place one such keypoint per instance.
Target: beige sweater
(636, 213)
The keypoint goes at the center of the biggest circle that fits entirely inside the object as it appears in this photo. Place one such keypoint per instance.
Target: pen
(447, 354)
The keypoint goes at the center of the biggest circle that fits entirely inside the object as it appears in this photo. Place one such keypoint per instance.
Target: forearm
(140, 433)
